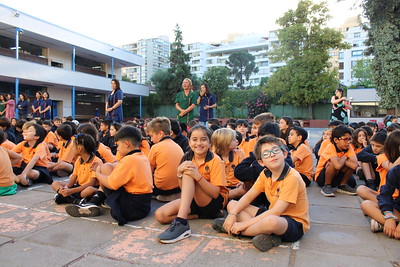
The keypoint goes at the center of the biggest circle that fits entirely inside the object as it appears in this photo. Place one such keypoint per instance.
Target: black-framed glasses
(347, 139)
(267, 153)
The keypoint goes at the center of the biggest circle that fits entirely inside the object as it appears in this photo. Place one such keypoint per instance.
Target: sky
(121, 22)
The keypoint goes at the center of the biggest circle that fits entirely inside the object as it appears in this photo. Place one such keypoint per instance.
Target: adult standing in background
(23, 106)
(36, 105)
(114, 103)
(339, 107)
(3, 99)
(45, 106)
(10, 106)
(207, 102)
(185, 102)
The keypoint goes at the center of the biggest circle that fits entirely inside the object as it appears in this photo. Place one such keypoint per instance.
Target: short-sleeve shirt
(82, 169)
(213, 170)
(6, 171)
(106, 154)
(36, 104)
(329, 152)
(116, 114)
(304, 164)
(10, 109)
(166, 157)
(289, 187)
(8, 144)
(66, 153)
(51, 139)
(381, 158)
(44, 103)
(323, 146)
(27, 152)
(185, 102)
(133, 172)
(145, 146)
(235, 157)
(205, 115)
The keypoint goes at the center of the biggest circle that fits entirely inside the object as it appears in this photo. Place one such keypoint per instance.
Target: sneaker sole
(266, 242)
(218, 225)
(346, 192)
(184, 235)
(76, 211)
(327, 195)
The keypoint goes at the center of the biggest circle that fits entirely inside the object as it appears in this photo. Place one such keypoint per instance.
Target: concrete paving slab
(341, 200)
(4, 239)
(19, 222)
(23, 253)
(311, 258)
(392, 247)
(27, 198)
(96, 261)
(343, 240)
(78, 234)
(329, 215)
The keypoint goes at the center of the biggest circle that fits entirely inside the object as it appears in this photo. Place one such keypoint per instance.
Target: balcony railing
(24, 56)
(90, 71)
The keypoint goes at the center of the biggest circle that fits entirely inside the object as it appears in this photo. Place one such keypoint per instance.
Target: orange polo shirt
(212, 169)
(133, 173)
(82, 169)
(145, 146)
(165, 157)
(6, 171)
(289, 187)
(42, 151)
(323, 146)
(383, 172)
(65, 151)
(51, 139)
(8, 144)
(106, 154)
(304, 164)
(330, 152)
(235, 157)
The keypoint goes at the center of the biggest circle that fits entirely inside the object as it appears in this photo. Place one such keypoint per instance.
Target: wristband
(234, 214)
(199, 179)
(386, 212)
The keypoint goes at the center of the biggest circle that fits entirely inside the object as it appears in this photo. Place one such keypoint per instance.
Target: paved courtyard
(34, 231)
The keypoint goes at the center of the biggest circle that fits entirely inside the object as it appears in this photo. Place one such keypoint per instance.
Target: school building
(74, 69)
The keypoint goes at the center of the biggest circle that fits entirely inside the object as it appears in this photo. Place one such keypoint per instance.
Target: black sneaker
(60, 199)
(328, 191)
(83, 210)
(370, 184)
(265, 242)
(346, 189)
(175, 232)
(218, 225)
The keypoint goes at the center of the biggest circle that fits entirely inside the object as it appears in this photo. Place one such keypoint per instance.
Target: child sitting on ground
(104, 135)
(82, 181)
(337, 163)
(7, 177)
(35, 154)
(224, 144)
(165, 156)
(114, 128)
(286, 218)
(51, 139)
(360, 140)
(326, 135)
(301, 154)
(127, 188)
(203, 185)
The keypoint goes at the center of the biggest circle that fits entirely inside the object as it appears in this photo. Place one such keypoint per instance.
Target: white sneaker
(375, 226)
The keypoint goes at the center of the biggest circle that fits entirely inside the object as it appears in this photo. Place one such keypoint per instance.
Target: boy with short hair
(286, 218)
(104, 136)
(337, 163)
(165, 157)
(51, 139)
(56, 123)
(127, 188)
(258, 120)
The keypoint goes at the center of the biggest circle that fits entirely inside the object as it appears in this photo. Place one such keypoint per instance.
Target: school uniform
(304, 164)
(65, 151)
(234, 158)
(383, 173)
(7, 185)
(386, 199)
(105, 153)
(145, 146)
(165, 157)
(8, 144)
(51, 139)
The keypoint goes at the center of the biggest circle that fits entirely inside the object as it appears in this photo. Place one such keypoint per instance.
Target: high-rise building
(155, 53)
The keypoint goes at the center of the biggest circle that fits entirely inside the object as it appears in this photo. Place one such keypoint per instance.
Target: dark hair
(73, 126)
(20, 123)
(340, 90)
(372, 124)
(4, 97)
(242, 122)
(24, 96)
(12, 96)
(87, 141)
(214, 121)
(40, 93)
(129, 133)
(2, 137)
(231, 125)
(368, 129)
(69, 118)
(340, 131)
(107, 122)
(231, 120)
(95, 122)
(392, 146)
(5, 122)
(300, 131)
(361, 124)
(354, 125)
(207, 93)
(335, 123)
(189, 155)
(268, 128)
(90, 129)
(48, 95)
(47, 122)
(116, 125)
(392, 127)
(175, 128)
(183, 126)
(267, 140)
(379, 137)
(214, 127)
(239, 137)
(117, 84)
(40, 132)
(355, 137)
(65, 131)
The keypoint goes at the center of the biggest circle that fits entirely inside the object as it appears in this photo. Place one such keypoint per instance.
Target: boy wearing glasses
(337, 163)
(287, 217)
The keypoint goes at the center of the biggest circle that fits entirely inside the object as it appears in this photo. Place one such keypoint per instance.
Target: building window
(341, 65)
(357, 53)
(341, 55)
(357, 34)
(354, 63)
(341, 75)
(358, 43)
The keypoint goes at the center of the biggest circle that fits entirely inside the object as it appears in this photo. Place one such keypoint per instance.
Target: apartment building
(155, 53)
(74, 69)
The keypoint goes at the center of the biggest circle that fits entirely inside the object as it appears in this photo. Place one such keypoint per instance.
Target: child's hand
(389, 227)
(238, 227)
(65, 192)
(95, 165)
(229, 221)
(184, 166)
(22, 179)
(397, 232)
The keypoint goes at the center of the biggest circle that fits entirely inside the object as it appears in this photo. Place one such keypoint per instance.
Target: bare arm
(15, 158)
(103, 179)
(352, 163)
(337, 101)
(337, 162)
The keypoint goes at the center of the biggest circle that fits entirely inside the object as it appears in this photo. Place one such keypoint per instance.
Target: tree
(384, 44)
(218, 81)
(179, 68)
(161, 80)
(241, 65)
(362, 72)
(307, 77)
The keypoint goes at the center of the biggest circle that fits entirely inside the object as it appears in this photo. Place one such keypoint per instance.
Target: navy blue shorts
(44, 174)
(210, 210)
(337, 180)
(294, 231)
